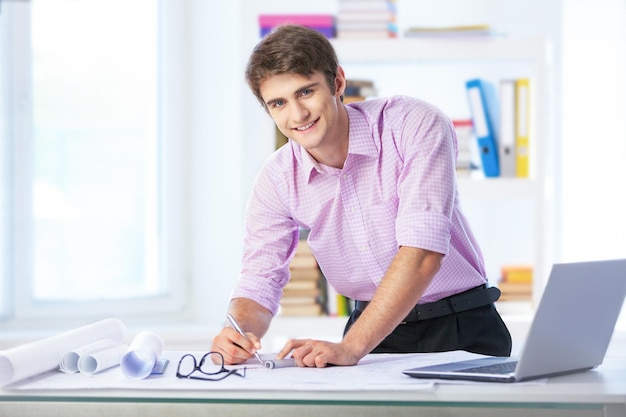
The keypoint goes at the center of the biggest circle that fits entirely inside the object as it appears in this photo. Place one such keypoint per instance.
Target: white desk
(601, 392)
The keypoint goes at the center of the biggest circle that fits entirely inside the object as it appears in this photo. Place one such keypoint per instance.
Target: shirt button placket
(355, 218)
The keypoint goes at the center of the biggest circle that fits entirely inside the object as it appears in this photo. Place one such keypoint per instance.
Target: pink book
(311, 20)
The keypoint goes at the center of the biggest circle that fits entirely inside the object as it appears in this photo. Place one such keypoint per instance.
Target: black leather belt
(467, 300)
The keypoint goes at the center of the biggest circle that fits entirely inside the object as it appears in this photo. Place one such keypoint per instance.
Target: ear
(340, 82)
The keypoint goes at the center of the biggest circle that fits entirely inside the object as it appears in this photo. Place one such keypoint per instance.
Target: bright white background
(217, 121)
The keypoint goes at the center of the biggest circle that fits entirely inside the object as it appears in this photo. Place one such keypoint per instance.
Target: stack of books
(302, 295)
(358, 90)
(367, 19)
(516, 283)
(323, 23)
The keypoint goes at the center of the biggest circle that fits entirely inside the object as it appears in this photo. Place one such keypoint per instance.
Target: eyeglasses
(211, 364)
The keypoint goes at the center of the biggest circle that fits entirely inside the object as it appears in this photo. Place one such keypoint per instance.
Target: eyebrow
(296, 93)
(307, 87)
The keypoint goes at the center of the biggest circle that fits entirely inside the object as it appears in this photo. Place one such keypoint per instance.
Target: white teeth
(305, 127)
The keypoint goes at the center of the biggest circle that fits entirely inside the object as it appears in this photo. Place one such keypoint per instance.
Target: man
(375, 184)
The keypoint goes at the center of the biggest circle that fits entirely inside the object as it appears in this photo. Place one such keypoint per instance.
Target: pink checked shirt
(397, 188)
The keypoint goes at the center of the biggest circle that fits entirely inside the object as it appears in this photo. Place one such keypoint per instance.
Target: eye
(277, 104)
(307, 92)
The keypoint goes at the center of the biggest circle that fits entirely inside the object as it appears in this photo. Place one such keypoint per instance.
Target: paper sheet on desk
(374, 372)
(381, 368)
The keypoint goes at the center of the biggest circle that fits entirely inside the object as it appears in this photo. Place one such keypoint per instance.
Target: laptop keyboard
(496, 368)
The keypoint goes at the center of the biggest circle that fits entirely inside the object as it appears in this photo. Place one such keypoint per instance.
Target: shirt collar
(360, 142)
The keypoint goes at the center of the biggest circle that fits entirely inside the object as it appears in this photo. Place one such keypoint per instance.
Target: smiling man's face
(305, 109)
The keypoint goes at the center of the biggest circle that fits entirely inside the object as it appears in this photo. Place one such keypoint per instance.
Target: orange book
(517, 273)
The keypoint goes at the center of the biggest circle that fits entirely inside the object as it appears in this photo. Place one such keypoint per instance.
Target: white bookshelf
(444, 64)
(445, 48)
(439, 67)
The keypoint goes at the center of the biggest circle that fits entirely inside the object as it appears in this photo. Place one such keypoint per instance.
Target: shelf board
(500, 188)
(433, 49)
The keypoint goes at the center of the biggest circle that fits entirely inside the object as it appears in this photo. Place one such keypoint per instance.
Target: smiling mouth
(306, 126)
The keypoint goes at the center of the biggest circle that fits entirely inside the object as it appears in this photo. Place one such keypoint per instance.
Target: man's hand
(254, 321)
(235, 347)
(318, 354)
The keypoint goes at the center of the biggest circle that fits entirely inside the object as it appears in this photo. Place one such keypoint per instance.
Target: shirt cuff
(430, 231)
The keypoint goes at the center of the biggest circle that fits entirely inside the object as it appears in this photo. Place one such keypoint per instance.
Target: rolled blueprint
(102, 359)
(69, 363)
(142, 355)
(44, 355)
(279, 363)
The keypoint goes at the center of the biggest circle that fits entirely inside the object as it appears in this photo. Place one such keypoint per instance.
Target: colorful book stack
(516, 283)
(301, 295)
(323, 23)
(367, 19)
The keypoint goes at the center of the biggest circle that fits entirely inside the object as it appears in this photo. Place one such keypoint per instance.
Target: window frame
(17, 182)
(7, 49)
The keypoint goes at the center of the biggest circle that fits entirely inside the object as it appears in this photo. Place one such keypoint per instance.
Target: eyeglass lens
(211, 363)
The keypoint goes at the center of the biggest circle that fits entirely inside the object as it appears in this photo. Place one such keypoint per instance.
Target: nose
(299, 113)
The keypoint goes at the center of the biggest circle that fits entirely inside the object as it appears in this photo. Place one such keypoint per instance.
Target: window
(5, 166)
(85, 191)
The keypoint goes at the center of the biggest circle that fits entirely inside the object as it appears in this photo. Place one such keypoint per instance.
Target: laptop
(570, 332)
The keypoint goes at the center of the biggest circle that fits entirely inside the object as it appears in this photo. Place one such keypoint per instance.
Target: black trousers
(480, 330)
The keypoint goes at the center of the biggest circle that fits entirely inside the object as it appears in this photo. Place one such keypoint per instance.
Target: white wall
(216, 131)
(515, 18)
(228, 148)
(593, 39)
(594, 133)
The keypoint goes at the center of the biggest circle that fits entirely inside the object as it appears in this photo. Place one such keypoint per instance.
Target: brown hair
(291, 49)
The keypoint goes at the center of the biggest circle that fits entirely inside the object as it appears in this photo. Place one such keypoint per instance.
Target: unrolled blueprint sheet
(374, 372)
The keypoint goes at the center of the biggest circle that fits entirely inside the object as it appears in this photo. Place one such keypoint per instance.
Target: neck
(335, 152)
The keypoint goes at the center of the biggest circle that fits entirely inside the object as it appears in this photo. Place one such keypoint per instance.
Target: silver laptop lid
(575, 319)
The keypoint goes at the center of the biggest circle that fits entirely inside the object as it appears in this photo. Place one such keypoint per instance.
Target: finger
(250, 343)
(224, 345)
(313, 357)
(320, 361)
(288, 347)
(233, 346)
(234, 354)
(256, 342)
(304, 356)
(318, 355)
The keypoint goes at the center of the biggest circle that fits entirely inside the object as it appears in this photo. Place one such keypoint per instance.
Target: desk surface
(600, 392)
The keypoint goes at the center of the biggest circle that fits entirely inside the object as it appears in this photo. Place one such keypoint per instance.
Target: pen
(233, 323)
